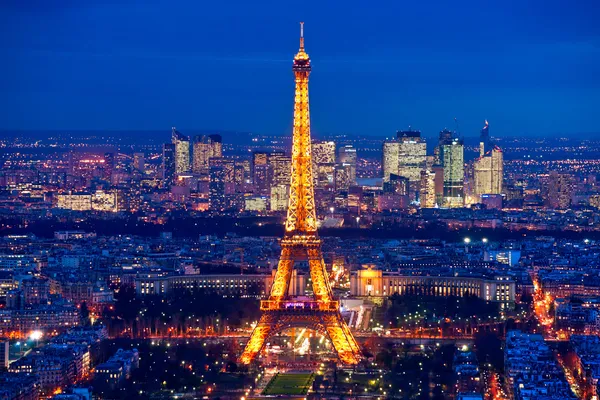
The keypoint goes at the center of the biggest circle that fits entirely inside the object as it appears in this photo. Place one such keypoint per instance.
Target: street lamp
(467, 240)
(484, 240)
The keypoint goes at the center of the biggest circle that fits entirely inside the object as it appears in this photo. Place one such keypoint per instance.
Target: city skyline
(521, 70)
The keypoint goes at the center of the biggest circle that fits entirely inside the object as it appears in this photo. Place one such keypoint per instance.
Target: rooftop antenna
(457, 127)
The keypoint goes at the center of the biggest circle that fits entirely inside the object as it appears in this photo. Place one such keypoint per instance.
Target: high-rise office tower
(347, 156)
(240, 175)
(139, 162)
(323, 153)
(109, 165)
(262, 170)
(205, 148)
(216, 187)
(182, 151)
(280, 195)
(342, 176)
(444, 138)
(452, 160)
(279, 170)
(558, 190)
(405, 156)
(488, 171)
(389, 164)
(168, 163)
(427, 196)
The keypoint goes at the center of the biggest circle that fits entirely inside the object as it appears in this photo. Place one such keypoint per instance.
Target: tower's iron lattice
(301, 243)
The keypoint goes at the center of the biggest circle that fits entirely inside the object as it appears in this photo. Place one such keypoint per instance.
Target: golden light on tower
(301, 243)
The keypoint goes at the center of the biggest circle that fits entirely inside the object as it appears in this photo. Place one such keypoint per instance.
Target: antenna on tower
(457, 127)
(301, 35)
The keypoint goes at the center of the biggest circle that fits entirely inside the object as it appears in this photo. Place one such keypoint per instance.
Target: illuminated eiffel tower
(301, 243)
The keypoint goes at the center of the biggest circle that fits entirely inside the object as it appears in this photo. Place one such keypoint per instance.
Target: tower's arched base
(326, 322)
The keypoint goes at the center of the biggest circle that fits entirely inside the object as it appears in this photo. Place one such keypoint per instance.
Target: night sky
(529, 67)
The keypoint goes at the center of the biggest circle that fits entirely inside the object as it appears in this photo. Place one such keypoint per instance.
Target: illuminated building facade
(488, 171)
(279, 169)
(98, 201)
(323, 153)
(216, 187)
(205, 148)
(405, 156)
(301, 243)
(558, 190)
(347, 157)
(280, 196)
(342, 176)
(255, 203)
(370, 282)
(452, 158)
(248, 285)
(391, 152)
(427, 189)
(263, 174)
(182, 151)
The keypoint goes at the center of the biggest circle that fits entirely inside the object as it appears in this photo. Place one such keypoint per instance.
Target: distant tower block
(301, 243)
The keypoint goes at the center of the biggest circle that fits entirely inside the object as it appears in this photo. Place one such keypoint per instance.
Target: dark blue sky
(530, 67)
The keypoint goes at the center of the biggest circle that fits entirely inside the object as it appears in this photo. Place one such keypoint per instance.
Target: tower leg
(257, 340)
(341, 338)
(318, 276)
(283, 276)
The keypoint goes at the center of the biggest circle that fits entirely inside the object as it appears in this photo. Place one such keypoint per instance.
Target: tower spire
(301, 36)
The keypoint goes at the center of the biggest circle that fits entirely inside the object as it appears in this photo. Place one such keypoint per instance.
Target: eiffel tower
(301, 243)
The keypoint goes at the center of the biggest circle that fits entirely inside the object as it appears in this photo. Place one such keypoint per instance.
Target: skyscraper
(558, 190)
(216, 187)
(445, 137)
(452, 159)
(488, 172)
(205, 148)
(279, 170)
(263, 163)
(405, 156)
(109, 165)
(168, 164)
(347, 156)
(427, 189)
(182, 151)
(323, 162)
